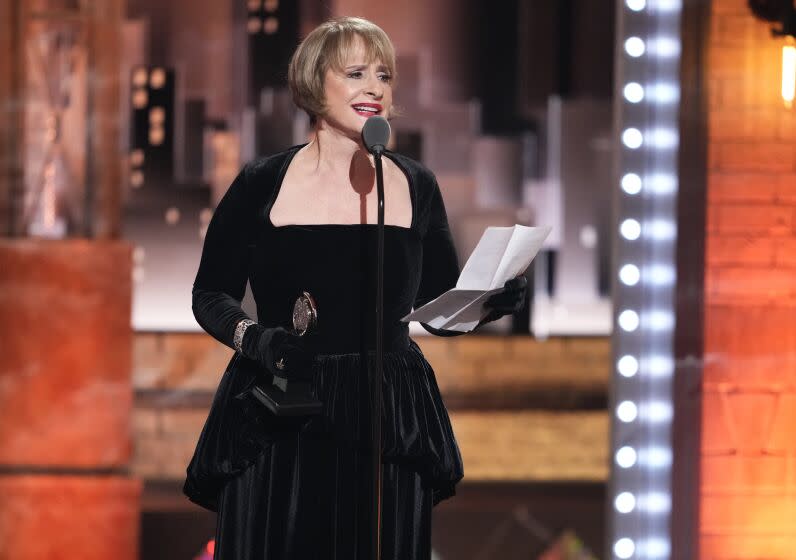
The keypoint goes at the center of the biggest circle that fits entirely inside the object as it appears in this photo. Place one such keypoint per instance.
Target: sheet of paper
(480, 268)
(502, 253)
(521, 248)
(445, 307)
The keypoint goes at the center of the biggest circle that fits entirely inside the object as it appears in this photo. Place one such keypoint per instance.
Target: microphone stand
(375, 135)
(377, 379)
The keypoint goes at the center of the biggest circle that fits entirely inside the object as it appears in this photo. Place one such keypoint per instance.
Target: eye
(385, 78)
(355, 74)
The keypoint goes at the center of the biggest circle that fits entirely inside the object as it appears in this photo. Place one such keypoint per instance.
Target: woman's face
(356, 92)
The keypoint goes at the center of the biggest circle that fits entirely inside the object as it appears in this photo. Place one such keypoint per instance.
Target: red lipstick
(367, 109)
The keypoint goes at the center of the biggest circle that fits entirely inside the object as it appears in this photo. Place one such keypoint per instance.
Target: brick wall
(748, 463)
(522, 409)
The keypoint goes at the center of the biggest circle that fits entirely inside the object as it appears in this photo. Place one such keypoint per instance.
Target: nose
(375, 87)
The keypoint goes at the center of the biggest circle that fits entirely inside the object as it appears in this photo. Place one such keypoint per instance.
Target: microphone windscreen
(376, 133)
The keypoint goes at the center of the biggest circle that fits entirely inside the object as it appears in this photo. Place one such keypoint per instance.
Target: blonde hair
(325, 48)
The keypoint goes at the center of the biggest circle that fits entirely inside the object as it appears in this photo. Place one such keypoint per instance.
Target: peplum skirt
(301, 487)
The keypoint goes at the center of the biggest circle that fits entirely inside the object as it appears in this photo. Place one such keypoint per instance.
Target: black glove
(510, 300)
(281, 352)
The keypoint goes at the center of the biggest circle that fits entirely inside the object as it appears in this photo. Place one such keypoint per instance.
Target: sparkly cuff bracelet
(240, 330)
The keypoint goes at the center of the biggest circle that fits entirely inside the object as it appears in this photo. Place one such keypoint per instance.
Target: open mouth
(367, 109)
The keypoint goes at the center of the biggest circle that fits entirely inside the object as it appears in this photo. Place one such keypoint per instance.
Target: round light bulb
(629, 275)
(634, 46)
(627, 411)
(630, 229)
(627, 366)
(631, 183)
(624, 548)
(625, 502)
(632, 138)
(626, 457)
(636, 5)
(628, 320)
(634, 92)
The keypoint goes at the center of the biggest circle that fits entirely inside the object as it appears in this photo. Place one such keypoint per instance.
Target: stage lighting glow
(663, 138)
(157, 78)
(157, 115)
(627, 366)
(630, 229)
(627, 411)
(632, 138)
(660, 230)
(624, 548)
(172, 215)
(658, 366)
(626, 457)
(662, 184)
(625, 502)
(635, 47)
(140, 77)
(634, 92)
(666, 5)
(658, 320)
(648, 71)
(156, 135)
(140, 98)
(655, 457)
(628, 320)
(254, 25)
(655, 548)
(788, 71)
(629, 274)
(664, 47)
(659, 275)
(588, 236)
(137, 157)
(656, 411)
(663, 93)
(631, 183)
(271, 25)
(655, 502)
(137, 179)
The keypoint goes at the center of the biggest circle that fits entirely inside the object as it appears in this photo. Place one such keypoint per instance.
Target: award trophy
(293, 397)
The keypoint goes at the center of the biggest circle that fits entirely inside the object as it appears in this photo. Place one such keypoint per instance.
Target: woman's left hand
(510, 300)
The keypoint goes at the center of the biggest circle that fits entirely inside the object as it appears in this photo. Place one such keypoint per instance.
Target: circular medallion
(305, 314)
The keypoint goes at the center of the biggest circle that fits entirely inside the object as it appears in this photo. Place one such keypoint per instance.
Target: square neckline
(283, 172)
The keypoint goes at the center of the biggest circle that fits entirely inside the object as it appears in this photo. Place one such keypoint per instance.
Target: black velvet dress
(301, 488)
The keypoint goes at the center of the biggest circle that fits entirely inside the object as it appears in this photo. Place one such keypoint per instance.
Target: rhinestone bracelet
(240, 330)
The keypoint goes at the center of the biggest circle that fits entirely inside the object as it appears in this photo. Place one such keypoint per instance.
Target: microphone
(376, 134)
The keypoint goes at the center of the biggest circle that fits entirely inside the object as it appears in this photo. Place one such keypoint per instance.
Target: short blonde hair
(323, 49)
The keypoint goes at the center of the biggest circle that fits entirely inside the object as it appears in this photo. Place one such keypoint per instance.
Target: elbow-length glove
(510, 300)
(279, 351)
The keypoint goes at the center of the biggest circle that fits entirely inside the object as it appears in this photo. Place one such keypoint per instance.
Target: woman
(304, 220)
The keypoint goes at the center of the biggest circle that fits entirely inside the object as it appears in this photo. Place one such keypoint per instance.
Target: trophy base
(297, 401)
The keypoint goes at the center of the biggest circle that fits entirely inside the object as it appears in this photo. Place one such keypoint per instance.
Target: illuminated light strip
(646, 112)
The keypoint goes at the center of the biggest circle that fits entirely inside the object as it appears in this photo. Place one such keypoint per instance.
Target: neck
(331, 150)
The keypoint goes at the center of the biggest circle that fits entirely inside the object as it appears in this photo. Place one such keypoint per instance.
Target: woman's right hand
(281, 352)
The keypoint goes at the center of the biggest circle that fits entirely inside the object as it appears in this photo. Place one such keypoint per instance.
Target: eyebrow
(382, 67)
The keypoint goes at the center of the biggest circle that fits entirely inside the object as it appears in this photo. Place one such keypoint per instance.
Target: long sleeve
(440, 262)
(220, 282)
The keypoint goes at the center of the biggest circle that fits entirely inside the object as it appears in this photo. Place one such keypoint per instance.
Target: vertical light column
(646, 113)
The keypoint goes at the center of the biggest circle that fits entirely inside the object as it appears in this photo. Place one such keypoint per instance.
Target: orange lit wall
(65, 401)
(748, 456)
